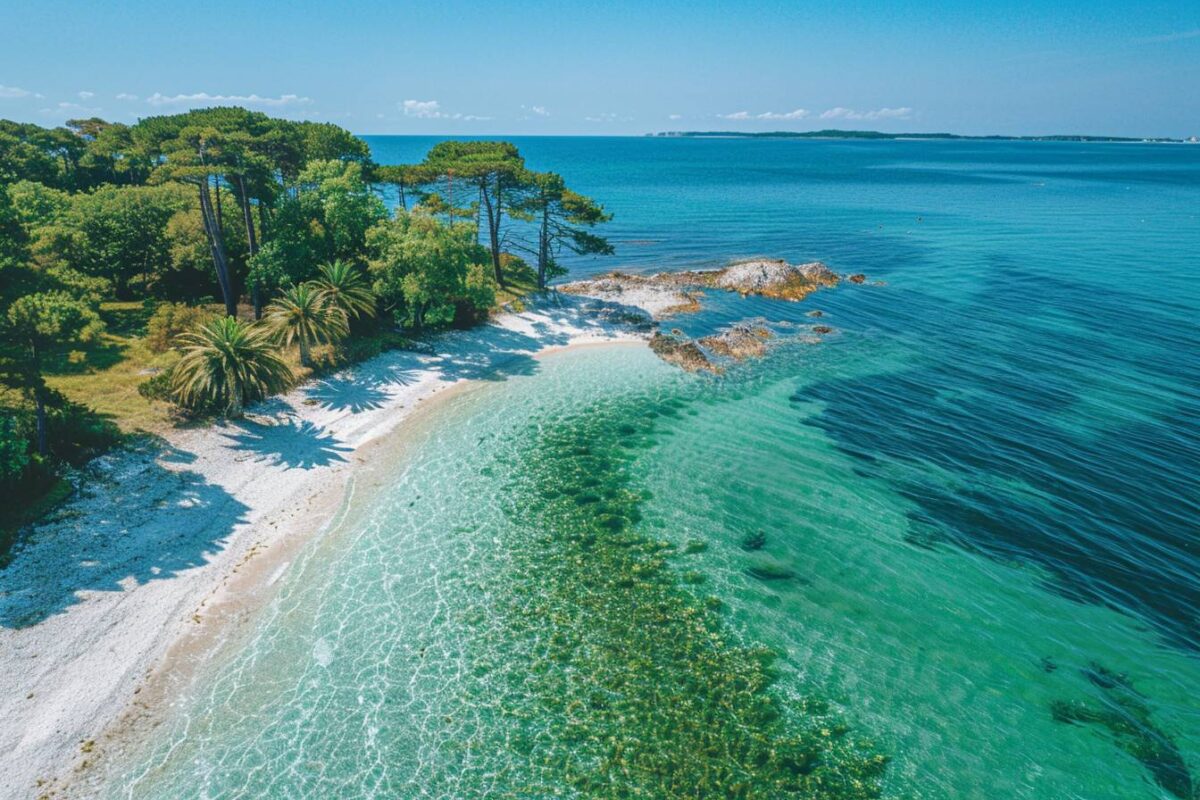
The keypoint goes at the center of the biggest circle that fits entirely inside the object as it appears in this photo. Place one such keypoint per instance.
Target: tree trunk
(40, 402)
(235, 406)
(400, 191)
(303, 342)
(251, 239)
(493, 215)
(217, 191)
(543, 247)
(217, 245)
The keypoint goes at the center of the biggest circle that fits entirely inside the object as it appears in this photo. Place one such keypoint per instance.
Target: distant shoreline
(879, 135)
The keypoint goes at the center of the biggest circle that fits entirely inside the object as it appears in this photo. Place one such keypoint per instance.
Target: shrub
(14, 452)
(76, 433)
(171, 319)
(227, 364)
(157, 387)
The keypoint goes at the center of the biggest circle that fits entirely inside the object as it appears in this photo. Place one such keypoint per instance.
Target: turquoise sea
(952, 551)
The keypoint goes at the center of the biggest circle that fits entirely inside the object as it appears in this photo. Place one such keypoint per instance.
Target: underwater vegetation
(1123, 714)
(617, 679)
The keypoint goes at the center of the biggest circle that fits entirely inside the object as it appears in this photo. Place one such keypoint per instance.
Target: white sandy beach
(163, 534)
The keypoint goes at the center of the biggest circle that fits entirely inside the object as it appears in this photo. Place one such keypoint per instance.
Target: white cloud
(86, 95)
(432, 109)
(70, 110)
(1178, 36)
(127, 96)
(799, 113)
(607, 117)
(675, 116)
(206, 99)
(529, 112)
(10, 92)
(883, 113)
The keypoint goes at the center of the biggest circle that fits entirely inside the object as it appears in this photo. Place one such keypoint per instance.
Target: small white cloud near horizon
(674, 116)
(607, 117)
(204, 99)
(86, 95)
(799, 113)
(70, 109)
(529, 112)
(840, 112)
(1178, 36)
(432, 109)
(14, 92)
(127, 96)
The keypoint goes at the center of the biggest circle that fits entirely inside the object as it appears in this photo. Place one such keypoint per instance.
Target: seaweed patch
(620, 680)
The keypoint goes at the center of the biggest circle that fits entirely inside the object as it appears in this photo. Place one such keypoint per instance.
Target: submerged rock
(815, 313)
(857, 278)
(769, 570)
(754, 541)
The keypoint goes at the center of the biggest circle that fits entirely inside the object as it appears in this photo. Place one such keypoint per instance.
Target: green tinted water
(611, 579)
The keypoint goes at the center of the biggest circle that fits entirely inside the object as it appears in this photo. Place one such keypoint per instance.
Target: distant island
(836, 134)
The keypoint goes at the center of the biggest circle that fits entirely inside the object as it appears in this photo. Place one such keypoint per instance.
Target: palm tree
(302, 315)
(227, 364)
(343, 286)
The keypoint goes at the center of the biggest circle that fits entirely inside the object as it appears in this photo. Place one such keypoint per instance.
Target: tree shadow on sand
(291, 444)
(147, 522)
(346, 394)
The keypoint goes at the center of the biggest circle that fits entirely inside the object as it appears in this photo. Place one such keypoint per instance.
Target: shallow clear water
(967, 522)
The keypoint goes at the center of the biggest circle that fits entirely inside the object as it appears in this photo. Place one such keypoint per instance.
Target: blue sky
(502, 67)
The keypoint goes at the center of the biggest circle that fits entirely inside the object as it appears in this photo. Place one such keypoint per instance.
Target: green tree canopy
(563, 220)
(37, 325)
(492, 171)
(429, 273)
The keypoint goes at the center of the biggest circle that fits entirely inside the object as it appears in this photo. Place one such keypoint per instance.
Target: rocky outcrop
(655, 297)
(776, 278)
(669, 293)
(739, 342)
(681, 352)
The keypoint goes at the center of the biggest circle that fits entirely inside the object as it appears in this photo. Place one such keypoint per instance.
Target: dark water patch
(987, 440)
(619, 681)
(1123, 713)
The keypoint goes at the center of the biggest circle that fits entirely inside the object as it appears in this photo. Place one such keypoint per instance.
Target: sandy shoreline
(172, 542)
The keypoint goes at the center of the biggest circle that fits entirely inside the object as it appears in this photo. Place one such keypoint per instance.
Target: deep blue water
(1044, 295)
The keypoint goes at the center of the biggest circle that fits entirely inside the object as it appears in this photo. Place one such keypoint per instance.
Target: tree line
(248, 237)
